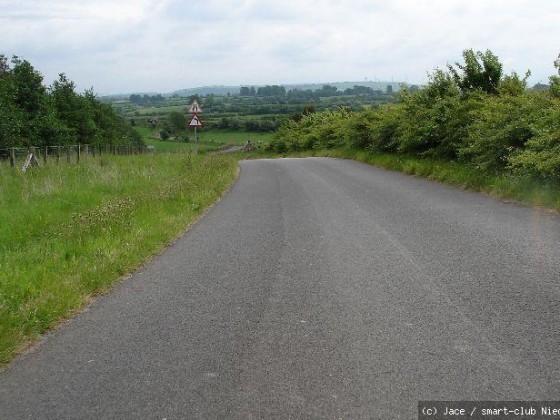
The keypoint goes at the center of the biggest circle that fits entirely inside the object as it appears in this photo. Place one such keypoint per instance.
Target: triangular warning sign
(195, 122)
(195, 108)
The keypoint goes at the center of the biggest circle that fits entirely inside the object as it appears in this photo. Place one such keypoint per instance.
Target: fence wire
(15, 156)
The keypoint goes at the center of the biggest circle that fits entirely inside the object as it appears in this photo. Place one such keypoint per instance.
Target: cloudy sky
(124, 46)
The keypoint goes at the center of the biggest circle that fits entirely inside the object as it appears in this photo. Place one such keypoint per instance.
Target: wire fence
(16, 156)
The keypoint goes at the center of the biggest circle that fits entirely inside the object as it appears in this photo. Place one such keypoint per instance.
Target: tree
(28, 84)
(481, 71)
(555, 80)
(513, 85)
(441, 85)
(359, 90)
(300, 94)
(327, 90)
(28, 96)
(273, 90)
(12, 119)
(32, 115)
(178, 121)
(74, 110)
(4, 66)
(247, 91)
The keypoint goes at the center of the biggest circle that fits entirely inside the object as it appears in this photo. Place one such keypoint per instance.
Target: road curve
(316, 288)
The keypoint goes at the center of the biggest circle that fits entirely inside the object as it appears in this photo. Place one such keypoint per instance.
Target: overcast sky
(125, 46)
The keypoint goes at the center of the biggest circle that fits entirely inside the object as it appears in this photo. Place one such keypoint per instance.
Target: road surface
(316, 288)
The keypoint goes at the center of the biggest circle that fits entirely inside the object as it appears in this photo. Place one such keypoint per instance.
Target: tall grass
(68, 232)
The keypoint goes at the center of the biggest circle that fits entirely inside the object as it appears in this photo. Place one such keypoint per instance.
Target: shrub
(501, 127)
(540, 157)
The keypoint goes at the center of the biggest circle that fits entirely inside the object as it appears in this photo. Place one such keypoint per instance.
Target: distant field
(234, 137)
(208, 140)
(163, 110)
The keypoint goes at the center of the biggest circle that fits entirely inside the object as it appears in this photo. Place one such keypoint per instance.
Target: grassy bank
(508, 187)
(71, 231)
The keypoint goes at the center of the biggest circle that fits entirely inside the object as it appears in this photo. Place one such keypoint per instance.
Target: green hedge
(493, 124)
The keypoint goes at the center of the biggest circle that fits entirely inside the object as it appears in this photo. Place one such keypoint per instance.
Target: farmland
(251, 114)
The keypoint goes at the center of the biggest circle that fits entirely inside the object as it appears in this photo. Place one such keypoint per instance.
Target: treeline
(34, 115)
(268, 90)
(260, 125)
(470, 112)
(146, 100)
(325, 92)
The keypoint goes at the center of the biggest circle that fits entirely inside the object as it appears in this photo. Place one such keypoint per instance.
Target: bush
(383, 128)
(323, 130)
(474, 115)
(540, 157)
(164, 135)
(501, 127)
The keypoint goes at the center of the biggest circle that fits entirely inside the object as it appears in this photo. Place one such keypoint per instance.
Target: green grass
(162, 110)
(222, 137)
(69, 232)
(209, 140)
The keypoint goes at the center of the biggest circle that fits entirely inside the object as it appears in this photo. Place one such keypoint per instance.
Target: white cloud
(149, 45)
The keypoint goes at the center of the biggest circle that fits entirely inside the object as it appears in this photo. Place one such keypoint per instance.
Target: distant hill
(234, 90)
(208, 90)
(341, 86)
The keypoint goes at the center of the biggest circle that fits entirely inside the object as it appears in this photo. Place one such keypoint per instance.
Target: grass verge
(69, 232)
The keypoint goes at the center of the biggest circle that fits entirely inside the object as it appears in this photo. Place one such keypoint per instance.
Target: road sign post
(195, 122)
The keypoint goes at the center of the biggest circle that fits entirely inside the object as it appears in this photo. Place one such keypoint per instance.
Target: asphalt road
(316, 288)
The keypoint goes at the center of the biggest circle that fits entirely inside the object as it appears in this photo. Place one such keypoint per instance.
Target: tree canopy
(34, 115)
(481, 71)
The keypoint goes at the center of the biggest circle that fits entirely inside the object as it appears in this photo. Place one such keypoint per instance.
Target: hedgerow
(472, 113)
